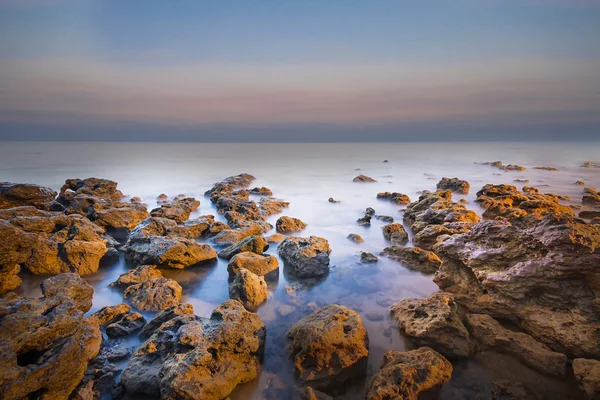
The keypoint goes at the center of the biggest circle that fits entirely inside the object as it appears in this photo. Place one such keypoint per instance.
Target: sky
(299, 70)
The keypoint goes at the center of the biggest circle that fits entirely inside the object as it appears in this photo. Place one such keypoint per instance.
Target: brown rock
(168, 252)
(110, 314)
(587, 372)
(414, 258)
(165, 315)
(289, 224)
(257, 264)
(154, 295)
(178, 211)
(69, 286)
(22, 194)
(9, 278)
(355, 238)
(125, 325)
(363, 178)
(454, 184)
(254, 244)
(248, 288)
(307, 257)
(395, 233)
(137, 275)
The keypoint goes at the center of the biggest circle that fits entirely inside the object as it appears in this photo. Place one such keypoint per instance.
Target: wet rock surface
(414, 258)
(395, 233)
(249, 289)
(454, 184)
(307, 257)
(23, 194)
(289, 224)
(137, 275)
(252, 244)
(179, 210)
(154, 294)
(257, 264)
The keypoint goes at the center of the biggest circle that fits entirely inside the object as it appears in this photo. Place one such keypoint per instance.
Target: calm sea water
(307, 175)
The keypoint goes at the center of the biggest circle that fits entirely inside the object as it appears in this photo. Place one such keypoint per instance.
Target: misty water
(306, 175)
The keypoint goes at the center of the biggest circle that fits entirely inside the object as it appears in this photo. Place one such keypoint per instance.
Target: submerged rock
(433, 322)
(257, 264)
(289, 224)
(332, 200)
(329, 347)
(587, 372)
(591, 197)
(308, 257)
(364, 221)
(454, 184)
(363, 178)
(403, 375)
(23, 194)
(546, 168)
(355, 238)
(367, 258)
(248, 288)
(154, 294)
(189, 357)
(414, 258)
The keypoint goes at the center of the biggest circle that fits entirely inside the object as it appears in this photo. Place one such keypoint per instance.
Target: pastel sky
(286, 70)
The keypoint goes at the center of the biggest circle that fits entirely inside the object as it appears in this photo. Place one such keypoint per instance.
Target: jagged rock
(364, 221)
(329, 347)
(218, 227)
(269, 206)
(385, 218)
(96, 187)
(591, 197)
(257, 264)
(414, 258)
(109, 314)
(178, 211)
(370, 211)
(69, 286)
(454, 184)
(363, 178)
(491, 335)
(587, 372)
(384, 195)
(308, 257)
(540, 274)
(403, 375)
(126, 325)
(137, 275)
(230, 237)
(154, 294)
(262, 191)
(190, 357)
(248, 288)
(165, 315)
(433, 322)
(119, 221)
(9, 278)
(22, 194)
(395, 233)
(355, 238)
(289, 224)
(167, 252)
(399, 198)
(367, 258)
(45, 346)
(254, 244)
(275, 238)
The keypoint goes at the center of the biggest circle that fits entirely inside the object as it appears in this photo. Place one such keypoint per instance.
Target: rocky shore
(520, 277)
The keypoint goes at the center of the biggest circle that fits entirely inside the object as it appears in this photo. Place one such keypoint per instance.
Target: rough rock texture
(125, 325)
(137, 275)
(257, 264)
(308, 257)
(109, 314)
(289, 224)
(9, 278)
(154, 295)
(385, 218)
(368, 258)
(405, 375)
(96, 187)
(399, 198)
(45, 346)
(254, 244)
(491, 335)
(230, 237)
(587, 373)
(355, 238)
(587, 214)
(178, 211)
(248, 288)
(395, 233)
(591, 197)
(433, 322)
(190, 357)
(275, 238)
(454, 184)
(363, 178)
(51, 244)
(262, 191)
(364, 221)
(329, 347)
(22, 194)
(167, 252)
(543, 275)
(414, 258)
(70, 286)
(165, 315)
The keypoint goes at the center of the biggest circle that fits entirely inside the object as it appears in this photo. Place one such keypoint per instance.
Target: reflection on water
(307, 175)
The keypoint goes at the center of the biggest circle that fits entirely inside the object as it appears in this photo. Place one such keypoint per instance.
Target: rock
(230, 237)
(590, 164)
(491, 335)
(433, 322)
(254, 244)
(514, 167)
(257, 264)
(591, 197)
(109, 314)
(364, 221)
(289, 224)
(536, 273)
(329, 347)
(587, 372)
(370, 211)
(22, 194)
(454, 184)
(589, 214)
(190, 357)
(385, 218)
(179, 210)
(248, 288)
(384, 195)
(399, 198)
(218, 227)
(137, 275)
(45, 345)
(521, 180)
(262, 191)
(165, 315)
(332, 200)
(275, 238)
(96, 187)
(154, 295)
(308, 393)
(167, 252)
(367, 258)
(504, 389)
(269, 206)
(403, 375)
(308, 257)
(595, 221)
(126, 325)
(363, 178)
(546, 168)
(69, 286)
(355, 238)
(9, 278)
(394, 233)
(118, 354)
(414, 258)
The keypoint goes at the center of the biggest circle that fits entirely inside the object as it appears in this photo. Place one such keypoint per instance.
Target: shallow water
(307, 175)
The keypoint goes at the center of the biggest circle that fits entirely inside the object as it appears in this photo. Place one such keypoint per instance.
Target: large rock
(491, 335)
(395, 233)
(9, 278)
(543, 275)
(454, 184)
(154, 294)
(270, 205)
(125, 325)
(414, 258)
(97, 187)
(433, 322)
(69, 286)
(587, 372)
(230, 237)
(254, 244)
(329, 347)
(178, 211)
(109, 314)
(308, 257)
(137, 275)
(405, 375)
(190, 357)
(257, 264)
(248, 288)
(165, 315)
(168, 252)
(23, 194)
(45, 346)
(289, 224)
